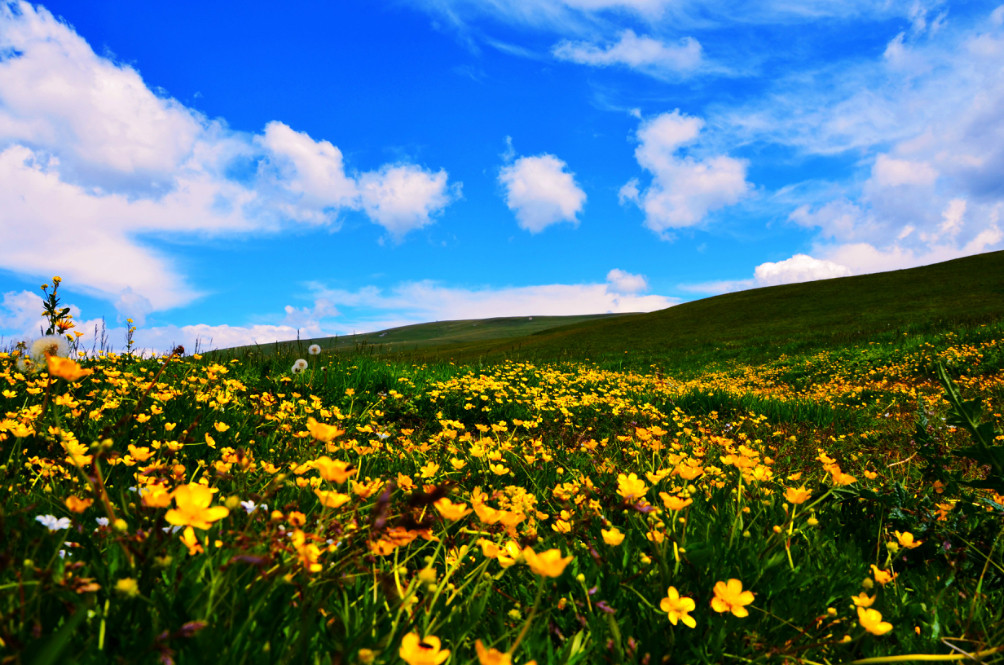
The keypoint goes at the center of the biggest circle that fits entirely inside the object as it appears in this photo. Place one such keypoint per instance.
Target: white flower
(299, 365)
(314, 349)
(51, 523)
(102, 521)
(249, 506)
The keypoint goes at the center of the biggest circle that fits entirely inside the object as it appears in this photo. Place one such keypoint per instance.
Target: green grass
(774, 401)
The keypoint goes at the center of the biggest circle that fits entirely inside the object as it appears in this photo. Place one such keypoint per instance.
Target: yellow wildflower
(417, 651)
(491, 656)
(192, 501)
(678, 607)
(730, 597)
(612, 536)
(871, 620)
(65, 368)
(546, 564)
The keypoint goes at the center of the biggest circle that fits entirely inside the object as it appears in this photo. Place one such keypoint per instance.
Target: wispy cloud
(644, 54)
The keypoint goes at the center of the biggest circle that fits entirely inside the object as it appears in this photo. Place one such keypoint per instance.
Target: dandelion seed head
(48, 345)
(314, 349)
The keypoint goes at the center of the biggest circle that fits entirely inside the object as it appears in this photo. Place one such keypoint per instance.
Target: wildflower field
(844, 505)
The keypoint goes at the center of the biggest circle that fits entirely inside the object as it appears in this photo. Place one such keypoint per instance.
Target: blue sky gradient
(238, 172)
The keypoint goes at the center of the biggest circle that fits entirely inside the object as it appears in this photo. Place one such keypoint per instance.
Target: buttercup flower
(631, 486)
(797, 496)
(334, 471)
(883, 577)
(678, 608)
(78, 505)
(66, 369)
(871, 620)
(451, 511)
(612, 536)
(192, 501)
(906, 540)
(416, 651)
(730, 597)
(491, 656)
(546, 564)
(863, 600)
(322, 432)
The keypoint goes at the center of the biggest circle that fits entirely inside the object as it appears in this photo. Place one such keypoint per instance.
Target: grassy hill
(423, 336)
(747, 326)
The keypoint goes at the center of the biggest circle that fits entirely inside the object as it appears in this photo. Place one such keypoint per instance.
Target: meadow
(836, 503)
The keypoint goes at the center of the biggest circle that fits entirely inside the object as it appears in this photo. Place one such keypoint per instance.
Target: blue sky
(236, 172)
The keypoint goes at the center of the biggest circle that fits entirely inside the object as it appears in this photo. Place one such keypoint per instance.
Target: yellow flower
(673, 502)
(863, 600)
(190, 541)
(331, 499)
(127, 586)
(322, 432)
(416, 651)
(491, 656)
(906, 540)
(77, 505)
(192, 501)
(155, 496)
(631, 486)
(871, 620)
(678, 608)
(333, 471)
(797, 496)
(612, 536)
(730, 597)
(546, 564)
(451, 511)
(883, 577)
(64, 368)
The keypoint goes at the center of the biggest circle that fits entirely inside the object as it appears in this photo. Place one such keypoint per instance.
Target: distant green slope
(751, 325)
(427, 335)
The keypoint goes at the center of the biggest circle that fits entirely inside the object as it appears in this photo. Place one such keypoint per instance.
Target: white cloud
(799, 268)
(625, 282)
(92, 159)
(21, 314)
(891, 172)
(424, 301)
(404, 197)
(684, 189)
(541, 192)
(645, 54)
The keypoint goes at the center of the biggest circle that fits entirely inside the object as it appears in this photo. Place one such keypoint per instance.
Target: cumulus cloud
(645, 54)
(541, 192)
(625, 282)
(92, 159)
(799, 268)
(20, 313)
(404, 197)
(683, 188)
